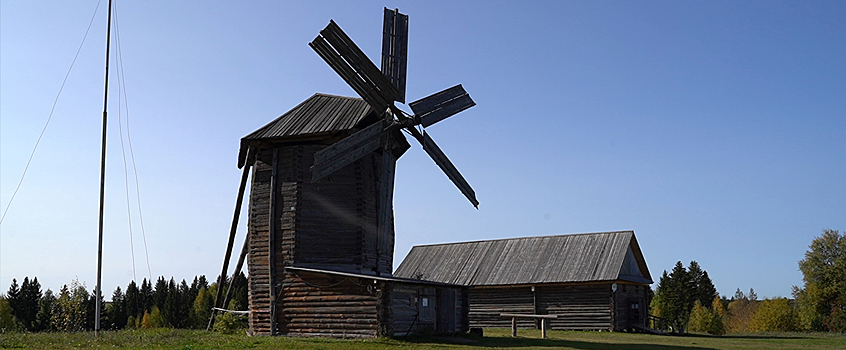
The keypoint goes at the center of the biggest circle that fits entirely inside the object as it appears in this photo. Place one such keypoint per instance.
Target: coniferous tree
(44, 317)
(160, 292)
(30, 294)
(193, 289)
(13, 297)
(146, 297)
(678, 292)
(679, 295)
(132, 300)
(185, 301)
(201, 309)
(202, 282)
(658, 305)
(239, 291)
(704, 291)
(170, 309)
(91, 308)
(117, 314)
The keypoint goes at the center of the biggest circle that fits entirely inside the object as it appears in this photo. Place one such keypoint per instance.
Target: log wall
(487, 303)
(579, 307)
(321, 305)
(411, 315)
(330, 224)
(258, 259)
(584, 306)
(625, 316)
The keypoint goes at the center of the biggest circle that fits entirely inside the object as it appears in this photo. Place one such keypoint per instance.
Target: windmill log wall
(330, 225)
(324, 305)
(327, 224)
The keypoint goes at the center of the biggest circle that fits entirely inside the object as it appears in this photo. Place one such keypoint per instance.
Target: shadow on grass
(742, 336)
(519, 342)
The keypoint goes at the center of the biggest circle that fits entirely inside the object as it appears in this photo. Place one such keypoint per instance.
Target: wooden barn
(591, 281)
(317, 264)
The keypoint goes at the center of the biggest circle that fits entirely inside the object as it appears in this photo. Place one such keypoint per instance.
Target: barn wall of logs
(578, 306)
(487, 303)
(631, 306)
(582, 306)
(428, 309)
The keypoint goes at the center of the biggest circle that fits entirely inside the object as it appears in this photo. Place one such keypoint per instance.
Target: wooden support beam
(232, 230)
(384, 236)
(238, 266)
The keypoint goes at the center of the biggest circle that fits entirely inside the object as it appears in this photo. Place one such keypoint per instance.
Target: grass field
(494, 338)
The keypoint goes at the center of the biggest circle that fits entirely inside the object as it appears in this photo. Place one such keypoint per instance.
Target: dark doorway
(446, 311)
(634, 313)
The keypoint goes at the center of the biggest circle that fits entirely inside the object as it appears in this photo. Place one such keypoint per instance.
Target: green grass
(494, 338)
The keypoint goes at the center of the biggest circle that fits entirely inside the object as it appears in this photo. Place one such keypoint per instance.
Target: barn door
(446, 311)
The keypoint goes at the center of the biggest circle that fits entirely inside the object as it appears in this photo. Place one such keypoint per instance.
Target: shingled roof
(587, 257)
(319, 114)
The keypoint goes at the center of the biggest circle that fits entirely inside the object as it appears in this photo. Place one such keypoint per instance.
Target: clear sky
(715, 130)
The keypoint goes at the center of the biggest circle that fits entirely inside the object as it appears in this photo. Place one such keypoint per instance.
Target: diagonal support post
(232, 230)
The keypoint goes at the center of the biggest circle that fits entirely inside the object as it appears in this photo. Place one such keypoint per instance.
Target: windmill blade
(451, 172)
(342, 67)
(346, 151)
(358, 61)
(395, 50)
(441, 105)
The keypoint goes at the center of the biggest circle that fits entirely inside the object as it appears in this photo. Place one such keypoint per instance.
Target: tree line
(687, 299)
(164, 303)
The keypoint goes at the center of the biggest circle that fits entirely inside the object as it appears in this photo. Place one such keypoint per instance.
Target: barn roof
(319, 114)
(587, 257)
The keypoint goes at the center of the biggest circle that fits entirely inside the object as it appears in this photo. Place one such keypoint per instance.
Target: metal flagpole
(99, 292)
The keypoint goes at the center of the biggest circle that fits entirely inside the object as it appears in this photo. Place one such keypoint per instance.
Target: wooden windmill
(321, 201)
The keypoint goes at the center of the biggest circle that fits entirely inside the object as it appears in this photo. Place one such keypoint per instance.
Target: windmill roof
(319, 114)
(587, 257)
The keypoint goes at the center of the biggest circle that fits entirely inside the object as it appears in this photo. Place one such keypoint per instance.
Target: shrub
(153, 319)
(740, 312)
(774, 315)
(703, 319)
(8, 322)
(718, 326)
(229, 323)
(700, 318)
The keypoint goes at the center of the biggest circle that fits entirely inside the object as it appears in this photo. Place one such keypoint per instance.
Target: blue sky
(714, 130)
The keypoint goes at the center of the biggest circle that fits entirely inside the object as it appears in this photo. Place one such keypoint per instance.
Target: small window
(425, 302)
